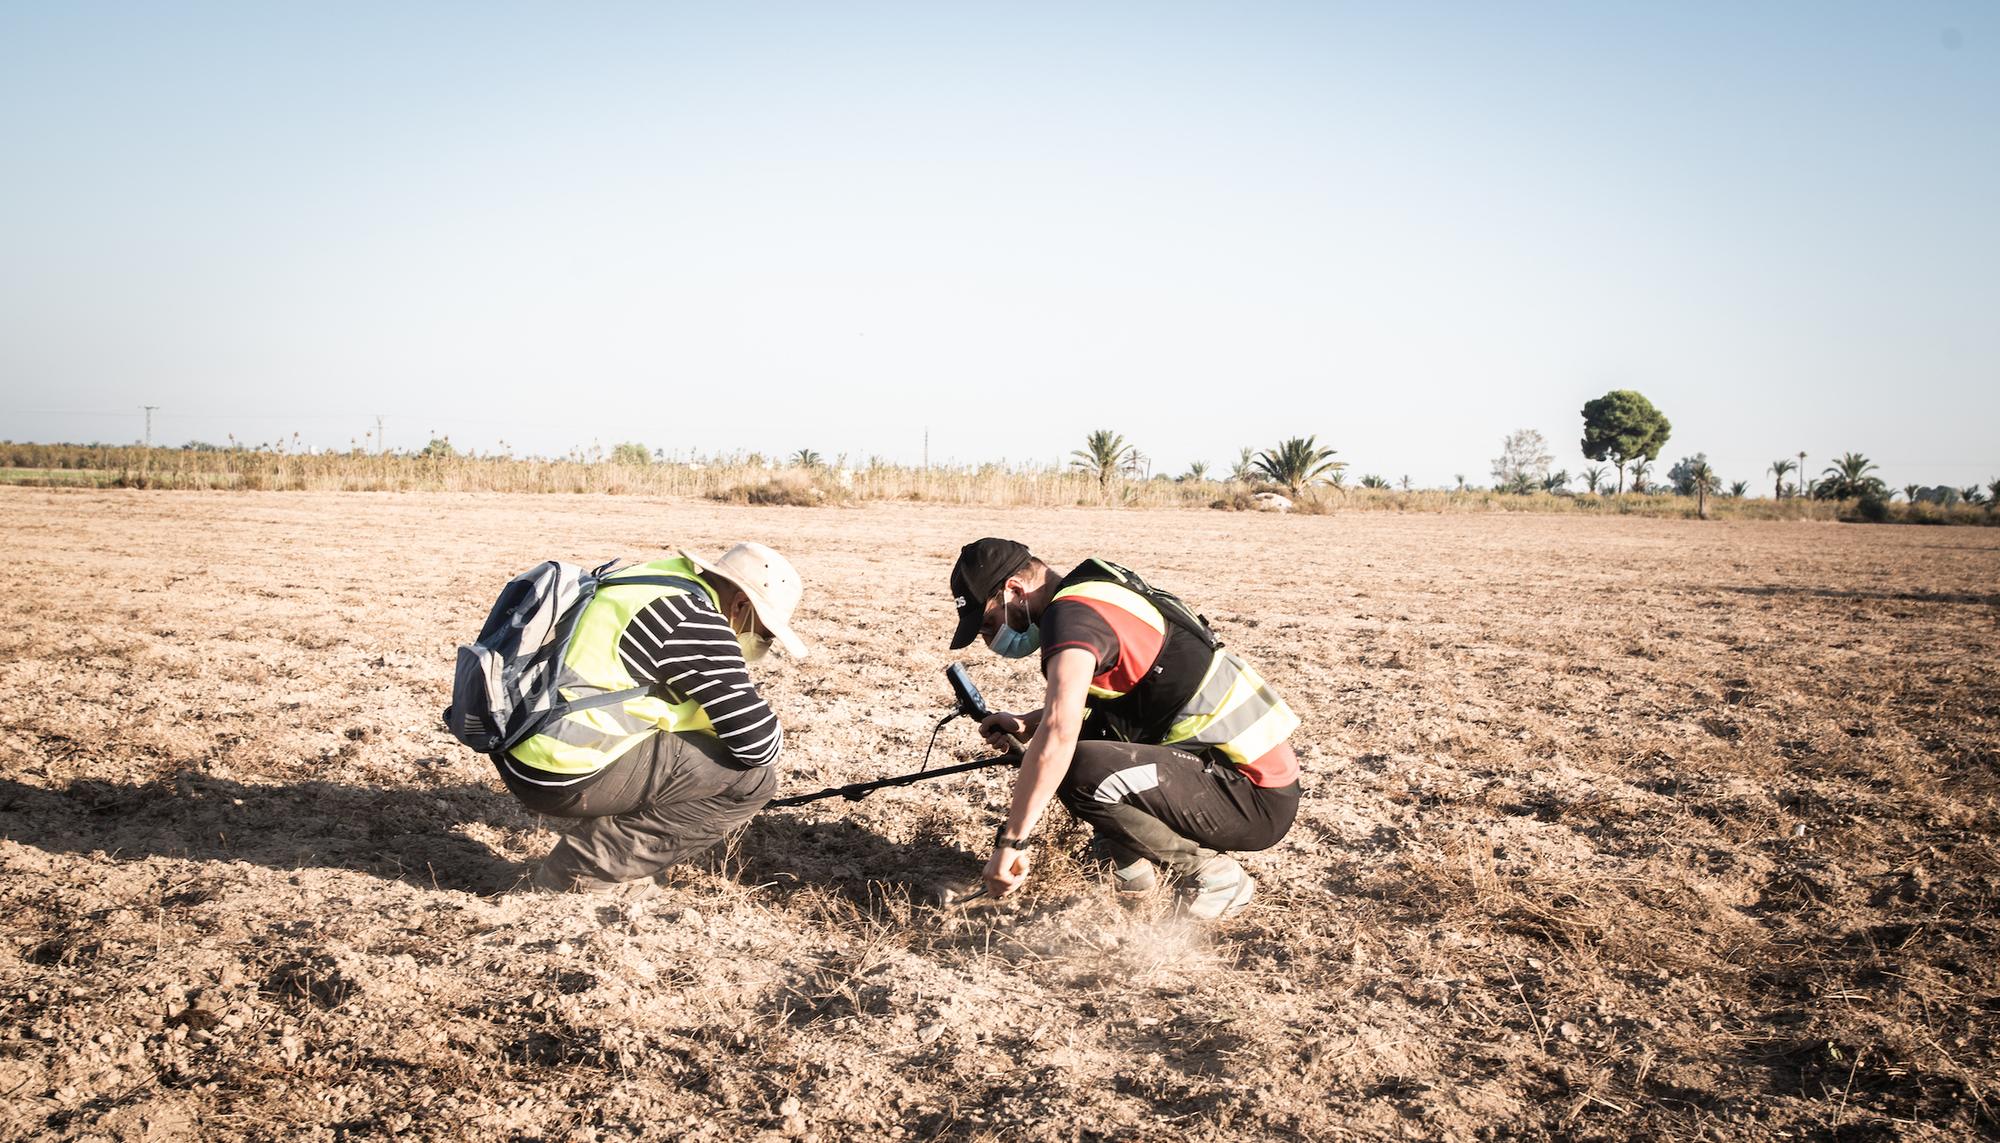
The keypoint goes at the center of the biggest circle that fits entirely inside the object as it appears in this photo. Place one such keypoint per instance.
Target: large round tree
(1621, 427)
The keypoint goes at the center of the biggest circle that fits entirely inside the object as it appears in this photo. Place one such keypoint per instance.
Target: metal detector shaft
(855, 791)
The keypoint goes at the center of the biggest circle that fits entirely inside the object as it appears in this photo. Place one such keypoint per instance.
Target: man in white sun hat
(660, 778)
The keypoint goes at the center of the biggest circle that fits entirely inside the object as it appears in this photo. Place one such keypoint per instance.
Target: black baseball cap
(983, 565)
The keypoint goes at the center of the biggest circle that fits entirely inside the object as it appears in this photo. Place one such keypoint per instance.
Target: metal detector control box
(970, 703)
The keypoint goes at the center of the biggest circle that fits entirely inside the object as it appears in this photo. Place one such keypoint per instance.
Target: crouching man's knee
(752, 793)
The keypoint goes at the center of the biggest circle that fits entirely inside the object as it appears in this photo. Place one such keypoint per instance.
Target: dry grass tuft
(794, 490)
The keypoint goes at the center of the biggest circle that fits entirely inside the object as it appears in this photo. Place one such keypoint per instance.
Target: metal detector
(970, 705)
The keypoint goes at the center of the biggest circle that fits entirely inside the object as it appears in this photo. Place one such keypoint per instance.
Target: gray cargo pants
(661, 803)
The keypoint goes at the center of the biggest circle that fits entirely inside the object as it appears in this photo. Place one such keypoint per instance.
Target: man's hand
(1005, 730)
(1005, 871)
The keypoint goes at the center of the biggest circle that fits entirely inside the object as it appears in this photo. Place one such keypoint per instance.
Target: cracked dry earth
(1615, 829)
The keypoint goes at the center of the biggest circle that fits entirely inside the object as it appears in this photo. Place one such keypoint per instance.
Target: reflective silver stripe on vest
(1236, 721)
(577, 733)
(523, 772)
(1216, 727)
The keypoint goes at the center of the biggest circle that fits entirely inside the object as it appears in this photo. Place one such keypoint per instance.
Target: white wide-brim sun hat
(770, 582)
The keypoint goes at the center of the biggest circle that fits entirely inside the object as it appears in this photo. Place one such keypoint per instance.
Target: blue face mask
(1011, 644)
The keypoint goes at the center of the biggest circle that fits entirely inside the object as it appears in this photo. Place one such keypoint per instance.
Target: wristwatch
(1002, 841)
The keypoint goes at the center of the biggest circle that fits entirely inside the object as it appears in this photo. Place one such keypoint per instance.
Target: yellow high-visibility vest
(586, 741)
(1197, 696)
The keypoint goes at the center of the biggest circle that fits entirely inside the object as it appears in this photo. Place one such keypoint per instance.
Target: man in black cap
(1174, 750)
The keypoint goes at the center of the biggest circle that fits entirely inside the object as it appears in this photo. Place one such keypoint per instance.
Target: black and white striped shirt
(684, 644)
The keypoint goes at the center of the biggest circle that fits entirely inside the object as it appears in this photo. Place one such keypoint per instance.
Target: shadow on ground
(411, 834)
(1858, 593)
(403, 834)
(788, 854)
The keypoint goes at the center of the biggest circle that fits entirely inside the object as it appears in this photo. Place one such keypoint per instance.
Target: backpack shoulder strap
(1170, 606)
(692, 587)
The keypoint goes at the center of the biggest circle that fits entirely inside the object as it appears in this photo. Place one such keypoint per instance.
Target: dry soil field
(1614, 829)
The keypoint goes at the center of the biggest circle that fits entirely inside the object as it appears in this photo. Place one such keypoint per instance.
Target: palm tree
(1848, 479)
(1299, 463)
(1197, 471)
(1593, 478)
(1973, 494)
(1105, 454)
(1556, 481)
(1460, 477)
(1404, 483)
(1737, 489)
(1778, 469)
(1910, 492)
(1245, 468)
(1373, 481)
(1704, 480)
(807, 458)
(1992, 495)
(1641, 469)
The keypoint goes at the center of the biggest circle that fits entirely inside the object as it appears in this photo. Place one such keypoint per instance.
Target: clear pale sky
(1408, 228)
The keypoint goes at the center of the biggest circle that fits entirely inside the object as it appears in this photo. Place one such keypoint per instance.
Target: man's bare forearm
(1043, 765)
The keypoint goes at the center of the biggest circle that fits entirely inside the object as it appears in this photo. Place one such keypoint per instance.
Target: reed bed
(756, 481)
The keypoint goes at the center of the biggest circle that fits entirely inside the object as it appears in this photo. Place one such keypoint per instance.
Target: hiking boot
(548, 881)
(1134, 883)
(1133, 877)
(531, 881)
(1215, 889)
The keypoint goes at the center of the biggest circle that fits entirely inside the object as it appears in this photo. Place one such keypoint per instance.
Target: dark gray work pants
(662, 802)
(1171, 807)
